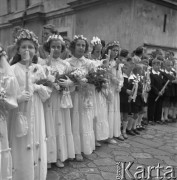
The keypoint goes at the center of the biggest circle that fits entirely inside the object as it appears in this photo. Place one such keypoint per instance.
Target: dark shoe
(169, 120)
(136, 132)
(144, 123)
(130, 132)
(124, 135)
(140, 128)
(152, 123)
(164, 122)
(120, 138)
(174, 120)
(159, 122)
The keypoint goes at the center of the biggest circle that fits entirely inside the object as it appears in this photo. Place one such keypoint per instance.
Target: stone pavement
(157, 144)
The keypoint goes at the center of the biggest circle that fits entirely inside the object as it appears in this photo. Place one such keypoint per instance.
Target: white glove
(36, 87)
(43, 91)
(25, 96)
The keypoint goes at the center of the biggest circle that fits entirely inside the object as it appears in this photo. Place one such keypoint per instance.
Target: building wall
(109, 21)
(132, 22)
(149, 21)
(64, 24)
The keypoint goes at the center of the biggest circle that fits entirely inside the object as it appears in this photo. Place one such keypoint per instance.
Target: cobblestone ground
(157, 144)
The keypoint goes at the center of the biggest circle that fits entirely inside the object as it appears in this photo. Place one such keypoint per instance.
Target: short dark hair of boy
(156, 61)
(51, 28)
(160, 58)
(124, 53)
(139, 51)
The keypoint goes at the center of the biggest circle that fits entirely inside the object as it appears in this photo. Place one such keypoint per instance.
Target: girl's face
(27, 45)
(80, 48)
(56, 45)
(97, 51)
(114, 52)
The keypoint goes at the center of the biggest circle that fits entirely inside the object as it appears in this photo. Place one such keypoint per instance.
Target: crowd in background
(60, 99)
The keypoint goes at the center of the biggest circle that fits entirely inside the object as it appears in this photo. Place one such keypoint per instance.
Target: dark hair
(17, 58)
(129, 59)
(156, 61)
(18, 43)
(65, 38)
(103, 43)
(160, 57)
(145, 56)
(51, 27)
(136, 69)
(46, 45)
(73, 45)
(124, 53)
(139, 51)
(107, 49)
(16, 30)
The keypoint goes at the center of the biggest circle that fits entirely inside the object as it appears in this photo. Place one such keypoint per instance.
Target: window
(8, 6)
(64, 34)
(165, 23)
(27, 3)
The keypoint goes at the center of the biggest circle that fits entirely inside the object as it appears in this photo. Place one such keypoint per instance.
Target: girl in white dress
(116, 83)
(101, 125)
(82, 113)
(60, 143)
(27, 123)
(8, 87)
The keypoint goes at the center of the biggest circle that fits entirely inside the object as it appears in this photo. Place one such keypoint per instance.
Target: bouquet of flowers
(2, 93)
(77, 76)
(98, 78)
(42, 75)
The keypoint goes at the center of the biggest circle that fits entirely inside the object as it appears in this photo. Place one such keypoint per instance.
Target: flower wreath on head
(114, 43)
(80, 37)
(26, 34)
(95, 41)
(55, 37)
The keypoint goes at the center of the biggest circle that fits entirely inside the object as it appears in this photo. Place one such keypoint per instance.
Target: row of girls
(45, 122)
(38, 127)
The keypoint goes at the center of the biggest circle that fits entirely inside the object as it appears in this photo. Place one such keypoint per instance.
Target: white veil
(11, 85)
(5, 66)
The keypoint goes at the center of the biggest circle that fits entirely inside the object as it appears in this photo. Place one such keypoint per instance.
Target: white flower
(57, 87)
(95, 41)
(51, 78)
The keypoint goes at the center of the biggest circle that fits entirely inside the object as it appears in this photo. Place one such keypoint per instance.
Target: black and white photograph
(88, 89)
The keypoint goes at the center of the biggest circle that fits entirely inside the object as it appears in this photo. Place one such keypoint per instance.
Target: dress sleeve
(120, 78)
(12, 90)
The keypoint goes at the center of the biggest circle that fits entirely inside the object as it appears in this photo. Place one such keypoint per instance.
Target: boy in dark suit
(157, 83)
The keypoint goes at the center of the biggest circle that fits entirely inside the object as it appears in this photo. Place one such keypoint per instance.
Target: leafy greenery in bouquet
(42, 75)
(2, 93)
(77, 76)
(98, 78)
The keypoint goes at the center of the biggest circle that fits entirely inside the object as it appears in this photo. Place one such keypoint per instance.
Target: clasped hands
(66, 82)
(24, 97)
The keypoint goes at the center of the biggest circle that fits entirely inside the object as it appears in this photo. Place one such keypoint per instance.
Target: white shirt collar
(124, 75)
(167, 72)
(154, 72)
